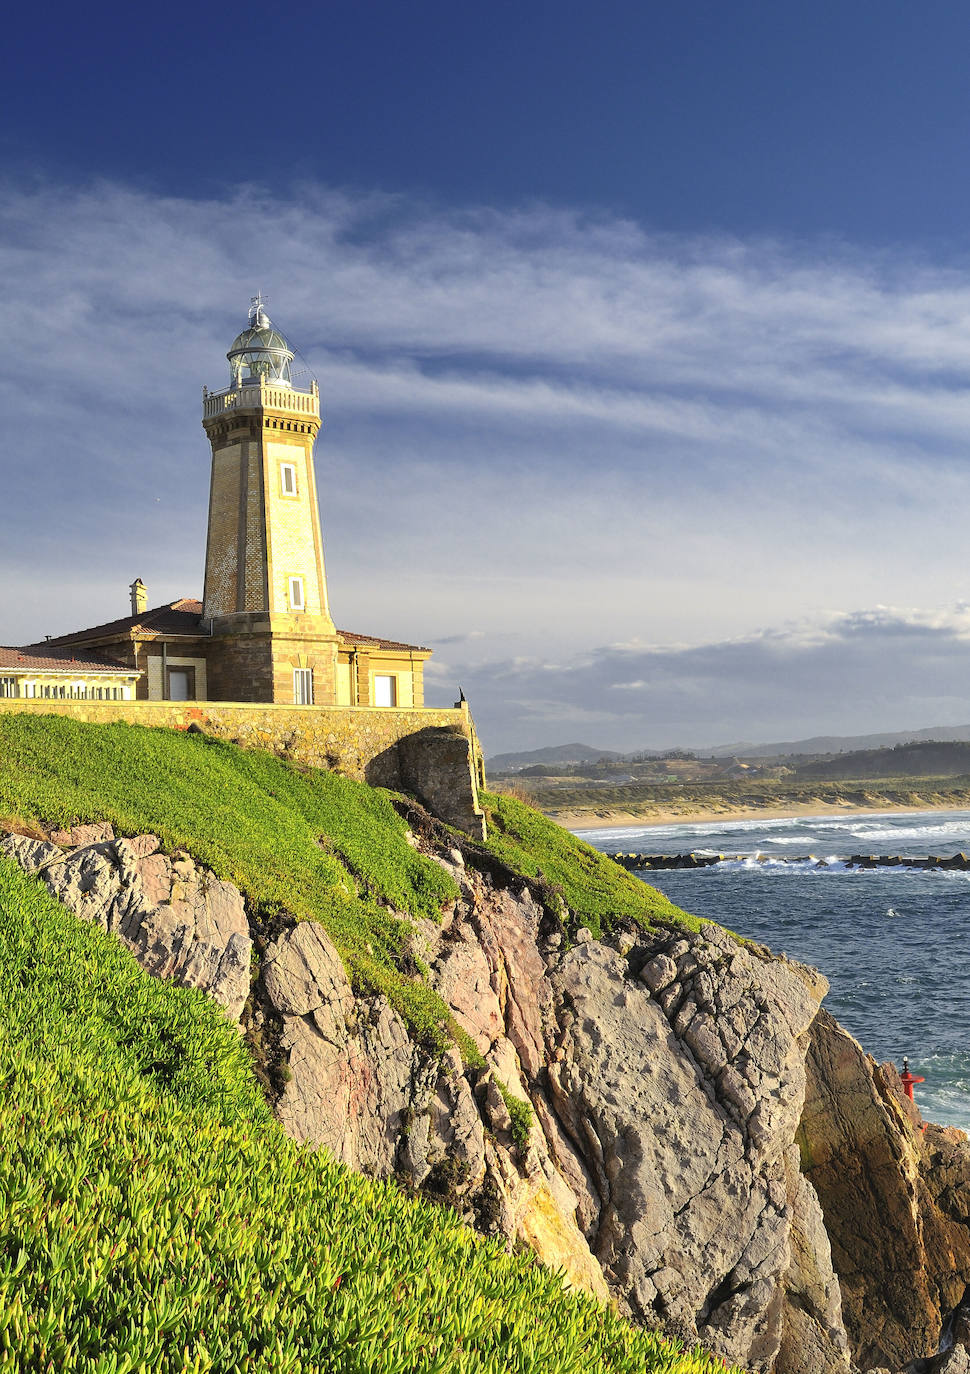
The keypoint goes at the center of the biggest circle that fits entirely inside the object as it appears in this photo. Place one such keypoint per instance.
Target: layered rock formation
(705, 1141)
(895, 1193)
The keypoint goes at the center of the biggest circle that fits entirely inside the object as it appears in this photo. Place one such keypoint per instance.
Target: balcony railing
(267, 395)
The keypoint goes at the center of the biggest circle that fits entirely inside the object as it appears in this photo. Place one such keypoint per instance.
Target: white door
(385, 690)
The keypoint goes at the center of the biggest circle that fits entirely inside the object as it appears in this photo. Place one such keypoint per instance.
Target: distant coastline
(603, 818)
(679, 788)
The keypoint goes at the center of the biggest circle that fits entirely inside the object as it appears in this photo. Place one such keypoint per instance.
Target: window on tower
(303, 686)
(297, 599)
(288, 479)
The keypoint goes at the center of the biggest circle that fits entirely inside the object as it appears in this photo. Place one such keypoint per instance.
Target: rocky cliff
(702, 1144)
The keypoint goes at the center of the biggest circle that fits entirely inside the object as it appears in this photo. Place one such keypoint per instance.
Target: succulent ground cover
(318, 845)
(153, 1217)
(596, 891)
(321, 846)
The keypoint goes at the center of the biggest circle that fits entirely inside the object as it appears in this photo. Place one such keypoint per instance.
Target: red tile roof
(181, 617)
(184, 617)
(349, 638)
(27, 661)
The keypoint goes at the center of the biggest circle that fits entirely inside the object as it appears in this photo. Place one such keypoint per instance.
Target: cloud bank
(544, 432)
(887, 669)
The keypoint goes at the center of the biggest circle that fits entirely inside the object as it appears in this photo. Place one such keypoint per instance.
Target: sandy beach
(617, 820)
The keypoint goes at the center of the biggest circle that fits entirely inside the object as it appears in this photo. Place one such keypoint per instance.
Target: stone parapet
(430, 752)
(262, 395)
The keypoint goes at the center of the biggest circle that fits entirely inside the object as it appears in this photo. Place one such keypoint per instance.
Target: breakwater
(960, 862)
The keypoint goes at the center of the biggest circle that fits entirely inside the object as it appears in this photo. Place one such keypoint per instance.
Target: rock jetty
(634, 862)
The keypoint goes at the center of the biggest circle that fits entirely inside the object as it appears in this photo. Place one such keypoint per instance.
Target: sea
(894, 943)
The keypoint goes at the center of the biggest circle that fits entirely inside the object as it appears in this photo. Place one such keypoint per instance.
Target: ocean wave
(766, 864)
(915, 836)
(685, 830)
(821, 866)
(945, 1108)
(945, 1095)
(891, 832)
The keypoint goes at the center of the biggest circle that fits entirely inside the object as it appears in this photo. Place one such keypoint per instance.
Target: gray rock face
(350, 1065)
(681, 1088)
(361, 1087)
(178, 920)
(813, 1335)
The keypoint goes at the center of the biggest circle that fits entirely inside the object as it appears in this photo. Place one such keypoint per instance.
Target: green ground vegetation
(595, 890)
(318, 845)
(154, 1218)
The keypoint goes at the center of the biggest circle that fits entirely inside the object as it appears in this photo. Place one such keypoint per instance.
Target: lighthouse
(265, 593)
(263, 631)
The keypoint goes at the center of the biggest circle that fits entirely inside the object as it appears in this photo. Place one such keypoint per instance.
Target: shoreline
(626, 820)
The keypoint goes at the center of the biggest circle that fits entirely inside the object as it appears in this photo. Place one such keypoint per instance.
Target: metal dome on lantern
(260, 352)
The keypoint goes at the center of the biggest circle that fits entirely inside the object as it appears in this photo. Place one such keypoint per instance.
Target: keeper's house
(49, 672)
(263, 630)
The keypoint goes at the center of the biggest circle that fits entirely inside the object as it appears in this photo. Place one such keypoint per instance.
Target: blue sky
(829, 117)
(643, 334)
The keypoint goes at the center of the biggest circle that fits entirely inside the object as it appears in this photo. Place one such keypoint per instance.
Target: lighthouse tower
(265, 598)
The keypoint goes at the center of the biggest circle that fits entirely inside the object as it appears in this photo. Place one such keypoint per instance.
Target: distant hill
(834, 744)
(816, 744)
(921, 759)
(555, 753)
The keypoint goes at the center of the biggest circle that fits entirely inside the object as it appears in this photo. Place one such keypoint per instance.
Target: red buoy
(908, 1079)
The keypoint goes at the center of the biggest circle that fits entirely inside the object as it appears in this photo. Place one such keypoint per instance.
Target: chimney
(139, 597)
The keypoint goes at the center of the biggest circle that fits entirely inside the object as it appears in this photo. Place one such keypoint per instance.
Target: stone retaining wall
(431, 752)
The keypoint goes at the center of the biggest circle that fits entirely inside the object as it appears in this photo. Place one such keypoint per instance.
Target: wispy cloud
(559, 430)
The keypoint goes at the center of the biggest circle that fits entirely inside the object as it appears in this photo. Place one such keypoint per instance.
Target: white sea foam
(945, 1096)
(877, 832)
(684, 831)
(754, 863)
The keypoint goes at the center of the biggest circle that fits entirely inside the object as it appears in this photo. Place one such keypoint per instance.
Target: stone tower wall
(293, 525)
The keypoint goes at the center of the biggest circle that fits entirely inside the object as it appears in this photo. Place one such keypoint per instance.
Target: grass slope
(154, 1218)
(324, 847)
(319, 845)
(594, 888)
